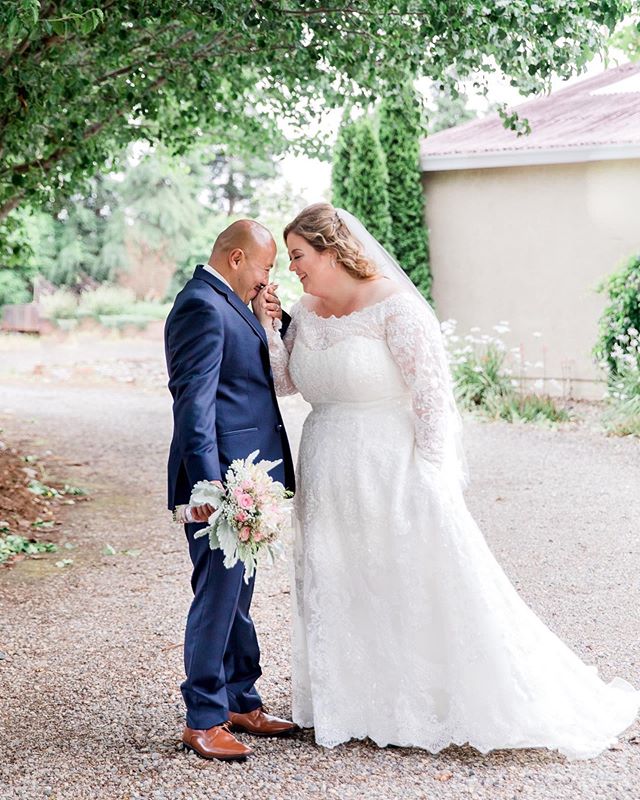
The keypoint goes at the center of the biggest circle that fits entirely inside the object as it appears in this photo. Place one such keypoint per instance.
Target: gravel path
(91, 656)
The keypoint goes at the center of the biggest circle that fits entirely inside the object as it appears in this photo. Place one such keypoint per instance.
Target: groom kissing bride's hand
(267, 300)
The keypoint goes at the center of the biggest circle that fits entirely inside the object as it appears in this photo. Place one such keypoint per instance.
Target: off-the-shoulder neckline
(358, 311)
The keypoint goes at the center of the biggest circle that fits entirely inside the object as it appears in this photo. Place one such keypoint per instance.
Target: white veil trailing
(454, 461)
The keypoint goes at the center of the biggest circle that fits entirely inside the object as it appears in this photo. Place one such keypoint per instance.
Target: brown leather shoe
(216, 742)
(259, 723)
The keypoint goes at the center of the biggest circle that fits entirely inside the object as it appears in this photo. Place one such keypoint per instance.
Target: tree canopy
(80, 80)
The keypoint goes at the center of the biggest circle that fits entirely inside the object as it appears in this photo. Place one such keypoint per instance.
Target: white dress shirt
(217, 275)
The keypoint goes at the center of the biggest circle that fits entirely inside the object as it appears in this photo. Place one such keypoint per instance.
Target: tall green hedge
(368, 194)
(340, 181)
(400, 132)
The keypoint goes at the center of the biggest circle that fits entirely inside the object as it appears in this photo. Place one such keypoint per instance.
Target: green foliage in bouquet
(250, 513)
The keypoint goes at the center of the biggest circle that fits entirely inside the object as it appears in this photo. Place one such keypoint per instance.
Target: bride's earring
(333, 263)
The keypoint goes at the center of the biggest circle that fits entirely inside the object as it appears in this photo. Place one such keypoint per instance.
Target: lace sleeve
(414, 339)
(280, 348)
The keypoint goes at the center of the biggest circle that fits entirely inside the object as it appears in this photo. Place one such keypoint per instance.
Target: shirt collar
(217, 275)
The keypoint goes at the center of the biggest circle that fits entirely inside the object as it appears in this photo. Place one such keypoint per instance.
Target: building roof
(596, 119)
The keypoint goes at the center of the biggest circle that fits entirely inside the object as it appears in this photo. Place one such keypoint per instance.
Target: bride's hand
(266, 306)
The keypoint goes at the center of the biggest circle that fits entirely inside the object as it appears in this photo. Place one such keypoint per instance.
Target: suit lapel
(233, 300)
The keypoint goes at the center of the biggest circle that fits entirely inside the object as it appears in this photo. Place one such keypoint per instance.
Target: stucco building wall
(529, 245)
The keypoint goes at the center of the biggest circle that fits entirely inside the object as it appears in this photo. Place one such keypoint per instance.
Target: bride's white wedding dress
(406, 629)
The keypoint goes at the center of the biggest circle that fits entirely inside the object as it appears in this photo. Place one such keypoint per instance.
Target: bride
(406, 629)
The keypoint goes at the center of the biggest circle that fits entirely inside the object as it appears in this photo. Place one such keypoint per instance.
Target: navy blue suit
(224, 407)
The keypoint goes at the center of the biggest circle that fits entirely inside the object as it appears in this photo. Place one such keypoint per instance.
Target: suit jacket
(224, 400)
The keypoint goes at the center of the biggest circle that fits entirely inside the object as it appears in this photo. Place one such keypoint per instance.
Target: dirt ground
(91, 654)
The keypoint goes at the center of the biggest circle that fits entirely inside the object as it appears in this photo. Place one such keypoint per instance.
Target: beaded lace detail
(413, 341)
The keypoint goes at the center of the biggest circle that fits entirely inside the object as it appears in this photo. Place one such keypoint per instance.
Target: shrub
(618, 349)
(483, 379)
(13, 288)
(622, 418)
(106, 299)
(621, 314)
(479, 378)
(526, 408)
(62, 304)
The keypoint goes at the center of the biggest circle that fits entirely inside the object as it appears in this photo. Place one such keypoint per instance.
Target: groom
(224, 407)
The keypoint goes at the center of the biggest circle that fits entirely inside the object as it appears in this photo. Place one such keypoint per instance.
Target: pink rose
(244, 534)
(257, 536)
(245, 501)
(241, 516)
(246, 485)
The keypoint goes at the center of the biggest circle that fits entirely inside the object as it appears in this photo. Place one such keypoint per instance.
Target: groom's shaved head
(245, 234)
(243, 254)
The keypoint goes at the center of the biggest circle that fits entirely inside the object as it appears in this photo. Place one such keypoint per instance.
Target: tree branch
(9, 205)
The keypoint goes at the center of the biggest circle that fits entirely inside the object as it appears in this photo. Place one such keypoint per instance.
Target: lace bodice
(387, 351)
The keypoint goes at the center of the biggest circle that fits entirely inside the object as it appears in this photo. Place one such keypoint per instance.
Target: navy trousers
(221, 652)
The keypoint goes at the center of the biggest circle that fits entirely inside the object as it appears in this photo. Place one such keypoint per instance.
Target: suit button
(278, 427)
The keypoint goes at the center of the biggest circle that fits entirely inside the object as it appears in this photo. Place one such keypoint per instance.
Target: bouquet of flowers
(251, 512)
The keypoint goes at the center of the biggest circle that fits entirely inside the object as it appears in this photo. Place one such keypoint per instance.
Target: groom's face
(251, 269)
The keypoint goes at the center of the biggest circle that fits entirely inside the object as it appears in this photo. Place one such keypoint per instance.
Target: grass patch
(623, 417)
(527, 408)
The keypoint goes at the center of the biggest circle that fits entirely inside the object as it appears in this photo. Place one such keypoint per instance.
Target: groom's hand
(202, 513)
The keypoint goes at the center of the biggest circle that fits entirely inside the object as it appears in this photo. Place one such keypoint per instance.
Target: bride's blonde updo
(321, 226)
